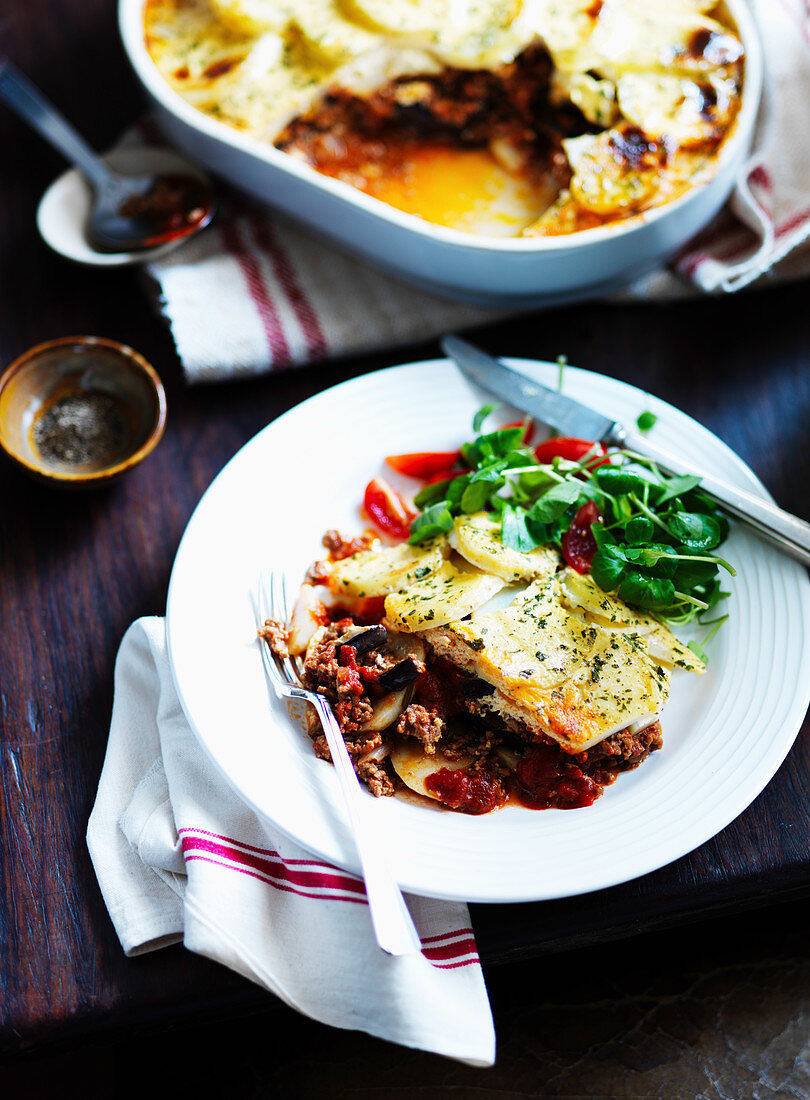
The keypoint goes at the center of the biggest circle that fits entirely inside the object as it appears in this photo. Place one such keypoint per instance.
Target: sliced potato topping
(594, 97)
(565, 26)
(478, 539)
(620, 172)
(379, 572)
(638, 36)
(397, 17)
(689, 112)
(252, 15)
(307, 616)
(579, 591)
(327, 41)
(453, 591)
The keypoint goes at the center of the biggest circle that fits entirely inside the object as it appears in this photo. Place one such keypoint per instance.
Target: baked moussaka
(496, 117)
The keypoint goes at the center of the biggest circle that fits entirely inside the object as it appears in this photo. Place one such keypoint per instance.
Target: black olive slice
(362, 640)
(400, 675)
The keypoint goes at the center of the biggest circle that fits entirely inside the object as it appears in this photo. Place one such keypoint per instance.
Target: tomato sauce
(544, 780)
(474, 792)
(173, 205)
(353, 675)
(438, 688)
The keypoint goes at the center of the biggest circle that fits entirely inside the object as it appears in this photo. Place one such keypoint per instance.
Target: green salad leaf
(654, 540)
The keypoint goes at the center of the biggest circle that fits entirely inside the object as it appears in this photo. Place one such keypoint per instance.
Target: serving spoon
(130, 212)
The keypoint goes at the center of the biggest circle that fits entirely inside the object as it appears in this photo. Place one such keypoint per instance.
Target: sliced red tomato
(578, 543)
(443, 475)
(387, 510)
(528, 426)
(568, 446)
(423, 464)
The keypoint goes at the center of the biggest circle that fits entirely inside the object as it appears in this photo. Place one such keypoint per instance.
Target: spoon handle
(28, 102)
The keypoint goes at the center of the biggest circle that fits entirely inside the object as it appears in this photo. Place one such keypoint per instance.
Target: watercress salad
(641, 534)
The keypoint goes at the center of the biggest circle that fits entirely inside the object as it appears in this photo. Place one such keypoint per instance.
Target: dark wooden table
(75, 570)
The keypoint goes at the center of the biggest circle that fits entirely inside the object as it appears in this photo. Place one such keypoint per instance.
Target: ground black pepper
(82, 429)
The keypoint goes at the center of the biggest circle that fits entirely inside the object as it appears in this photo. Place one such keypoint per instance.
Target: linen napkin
(256, 293)
(178, 856)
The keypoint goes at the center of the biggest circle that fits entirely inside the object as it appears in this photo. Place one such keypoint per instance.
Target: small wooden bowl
(80, 411)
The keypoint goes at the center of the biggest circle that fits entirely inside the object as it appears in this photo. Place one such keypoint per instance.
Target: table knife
(569, 417)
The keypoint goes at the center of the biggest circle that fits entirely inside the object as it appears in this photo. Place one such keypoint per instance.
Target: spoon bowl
(64, 210)
(134, 213)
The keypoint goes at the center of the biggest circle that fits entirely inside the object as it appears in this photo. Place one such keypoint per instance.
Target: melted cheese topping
(451, 591)
(670, 69)
(379, 572)
(559, 670)
(478, 539)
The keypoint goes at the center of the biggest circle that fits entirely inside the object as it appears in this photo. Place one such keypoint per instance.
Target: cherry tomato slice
(568, 446)
(527, 426)
(423, 464)
(578, 543)
(387, 510)
(444, 475)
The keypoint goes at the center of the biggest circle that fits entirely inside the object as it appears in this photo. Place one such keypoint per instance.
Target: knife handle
(788, 532)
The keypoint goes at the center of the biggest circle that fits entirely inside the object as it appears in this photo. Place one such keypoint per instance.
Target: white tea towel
(255, 293)
(179, 856)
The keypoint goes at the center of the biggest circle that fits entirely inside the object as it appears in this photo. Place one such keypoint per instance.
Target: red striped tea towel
(255, 293)
(179, 857)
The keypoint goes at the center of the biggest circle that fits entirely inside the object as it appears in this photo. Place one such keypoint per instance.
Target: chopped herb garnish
(481, 415)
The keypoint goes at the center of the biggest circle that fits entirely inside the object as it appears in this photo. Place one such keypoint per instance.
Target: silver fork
(393, 926)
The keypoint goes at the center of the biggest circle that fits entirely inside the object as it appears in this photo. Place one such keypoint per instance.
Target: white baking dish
(495, 272)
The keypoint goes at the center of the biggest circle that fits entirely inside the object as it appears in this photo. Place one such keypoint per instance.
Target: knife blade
(548, 406)
(771, 523)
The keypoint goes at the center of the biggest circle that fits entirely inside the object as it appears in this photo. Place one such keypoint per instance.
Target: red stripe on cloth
(698, 248)
(273, 864)
(451, 950)
(264, 851)
(285, 887)
(448, 935)
(793, 222)
(285, 273)
(722, 254)
(761, 177)
(270, 867)
(736, 249)
(276, 340)
(730, 238)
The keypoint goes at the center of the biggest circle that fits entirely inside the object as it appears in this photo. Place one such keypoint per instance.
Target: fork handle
(393, 926)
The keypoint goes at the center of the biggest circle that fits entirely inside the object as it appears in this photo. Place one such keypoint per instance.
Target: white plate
(725, 734)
